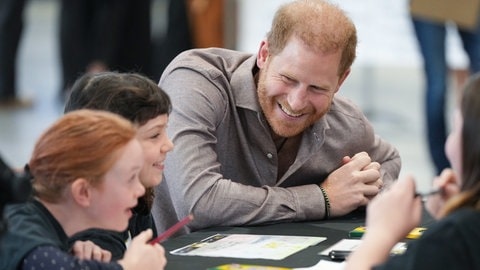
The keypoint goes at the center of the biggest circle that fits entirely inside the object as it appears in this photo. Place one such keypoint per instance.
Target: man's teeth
(285, 110)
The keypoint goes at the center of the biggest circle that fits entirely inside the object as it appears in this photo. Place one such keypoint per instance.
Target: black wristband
(327, 202)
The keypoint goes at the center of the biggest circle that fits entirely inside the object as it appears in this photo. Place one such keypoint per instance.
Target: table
(333, 229)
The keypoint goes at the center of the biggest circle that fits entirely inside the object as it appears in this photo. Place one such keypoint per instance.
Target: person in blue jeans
(431, 37)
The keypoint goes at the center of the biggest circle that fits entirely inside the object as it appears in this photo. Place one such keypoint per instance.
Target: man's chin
(287, 133)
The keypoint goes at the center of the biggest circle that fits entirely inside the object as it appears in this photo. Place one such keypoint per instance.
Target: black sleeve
(108, 240)
(139, 223)
(52, 258)
(440, 248)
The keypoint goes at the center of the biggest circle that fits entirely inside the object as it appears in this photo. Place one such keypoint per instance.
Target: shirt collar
(244, 87)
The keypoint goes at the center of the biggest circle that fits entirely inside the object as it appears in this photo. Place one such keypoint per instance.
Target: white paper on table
(325, 265)
(351, 244)
(249, 246)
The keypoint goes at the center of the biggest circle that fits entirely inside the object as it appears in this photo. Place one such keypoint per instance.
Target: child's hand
(87, 250)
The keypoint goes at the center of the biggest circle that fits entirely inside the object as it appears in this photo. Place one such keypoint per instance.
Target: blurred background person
(431, 38)
(100, 35)
(190, 24)
(177, 37)
(11, 26)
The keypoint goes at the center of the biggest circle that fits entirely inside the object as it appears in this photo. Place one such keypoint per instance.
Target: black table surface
(334, 229)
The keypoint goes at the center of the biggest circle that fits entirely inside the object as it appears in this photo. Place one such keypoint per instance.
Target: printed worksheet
(249, 246)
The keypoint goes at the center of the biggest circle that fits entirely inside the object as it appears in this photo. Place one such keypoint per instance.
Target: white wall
(384, 30)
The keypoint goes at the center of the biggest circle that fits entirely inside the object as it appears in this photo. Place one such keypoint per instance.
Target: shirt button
(269, 155)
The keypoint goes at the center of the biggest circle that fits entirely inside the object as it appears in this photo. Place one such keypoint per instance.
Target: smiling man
(265, 138)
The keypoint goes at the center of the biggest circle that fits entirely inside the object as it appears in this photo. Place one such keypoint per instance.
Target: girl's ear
(452, 183)
(81, 191)
(449, 183)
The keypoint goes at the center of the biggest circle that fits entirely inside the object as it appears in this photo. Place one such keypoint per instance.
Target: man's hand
(352, 185)
(87, 250)
(375, 182)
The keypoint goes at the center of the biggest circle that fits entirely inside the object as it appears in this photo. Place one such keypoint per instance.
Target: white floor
(390, 91)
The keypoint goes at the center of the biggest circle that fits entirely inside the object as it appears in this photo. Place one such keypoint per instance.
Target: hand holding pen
(449, 185)
(164, 236)
(394, 212)
(425, 195)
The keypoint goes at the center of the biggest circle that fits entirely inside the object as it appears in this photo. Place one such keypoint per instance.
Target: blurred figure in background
(431, 37)
(191, 24)
(177, 37)
(206, 22)
(11, 26)
(100, 35)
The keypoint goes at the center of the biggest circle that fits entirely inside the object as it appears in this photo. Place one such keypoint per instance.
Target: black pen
(426, 194)
(339, 255)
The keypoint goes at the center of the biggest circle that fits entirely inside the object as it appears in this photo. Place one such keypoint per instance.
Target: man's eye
(287, 79)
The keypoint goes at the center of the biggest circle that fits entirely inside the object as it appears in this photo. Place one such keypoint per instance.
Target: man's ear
(81, 191)
(342, 79)
(262, 55)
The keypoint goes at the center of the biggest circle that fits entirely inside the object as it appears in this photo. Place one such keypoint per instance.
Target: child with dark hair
(140, 100)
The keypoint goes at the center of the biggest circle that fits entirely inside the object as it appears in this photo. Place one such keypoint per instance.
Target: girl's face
(454, 143)
(155, 143)
(113, 200)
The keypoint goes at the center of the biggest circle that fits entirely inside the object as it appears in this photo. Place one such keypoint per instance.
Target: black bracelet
(327, 202)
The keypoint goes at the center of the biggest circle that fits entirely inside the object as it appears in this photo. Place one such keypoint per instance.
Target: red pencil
(172, 230)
